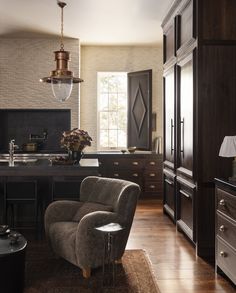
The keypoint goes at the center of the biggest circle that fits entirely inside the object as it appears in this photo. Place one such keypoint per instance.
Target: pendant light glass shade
(62, 88)
(61, 78)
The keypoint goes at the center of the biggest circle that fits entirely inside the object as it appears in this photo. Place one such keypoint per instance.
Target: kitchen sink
(28, 158)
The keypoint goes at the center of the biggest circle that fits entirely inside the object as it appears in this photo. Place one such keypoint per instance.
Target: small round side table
(109, 232)
(12, 264)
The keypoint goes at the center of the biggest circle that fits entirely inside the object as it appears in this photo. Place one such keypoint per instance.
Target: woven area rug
(47, 274)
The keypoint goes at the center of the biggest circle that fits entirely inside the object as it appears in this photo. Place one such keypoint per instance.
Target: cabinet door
(169, 194)
(185, 26)
(169, 118)
(169, 41)
(185, 117)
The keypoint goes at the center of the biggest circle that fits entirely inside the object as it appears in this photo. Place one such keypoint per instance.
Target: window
(112, 110)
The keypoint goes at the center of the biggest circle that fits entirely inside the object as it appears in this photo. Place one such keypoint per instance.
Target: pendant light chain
(62, 45)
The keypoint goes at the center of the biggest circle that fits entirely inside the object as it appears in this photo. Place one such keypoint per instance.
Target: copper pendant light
(61, 78)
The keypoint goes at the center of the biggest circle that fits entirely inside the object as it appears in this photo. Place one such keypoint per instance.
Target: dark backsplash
(18, 124)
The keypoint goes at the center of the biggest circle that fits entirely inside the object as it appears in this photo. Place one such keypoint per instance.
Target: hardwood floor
(176, 267)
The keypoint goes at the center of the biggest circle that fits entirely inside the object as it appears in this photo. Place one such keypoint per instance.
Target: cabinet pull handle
(99, 175)
(171, 136)
(184, 193)
(116, 175)
(169, 182)
(135, 175)
(222, 228)
(182, 137)
(100, 163)
(222, 202)
(223, 254)
(116, 163)
(152, 163)
(135, 163)
(152, 186)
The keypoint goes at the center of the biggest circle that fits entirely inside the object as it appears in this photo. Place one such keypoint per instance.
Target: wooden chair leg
(118, 261)
(86, 273)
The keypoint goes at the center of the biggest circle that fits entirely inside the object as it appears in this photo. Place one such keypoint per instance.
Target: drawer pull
(169, 182)
(222, 228)
(152, 163)
(223, 254)
(99, 175)
(152, 186)
(100, 163)
(135, 175)
(222, 202)
(135, 163)
(184, 193)
(116, 175)
(152, 174)
(116, 163)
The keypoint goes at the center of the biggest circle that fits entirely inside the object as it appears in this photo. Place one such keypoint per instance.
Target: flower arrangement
(75, 139)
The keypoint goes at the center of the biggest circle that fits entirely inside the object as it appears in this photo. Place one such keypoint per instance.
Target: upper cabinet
(185, 35)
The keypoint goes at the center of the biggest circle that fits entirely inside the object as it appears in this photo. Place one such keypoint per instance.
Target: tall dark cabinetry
(199, 110)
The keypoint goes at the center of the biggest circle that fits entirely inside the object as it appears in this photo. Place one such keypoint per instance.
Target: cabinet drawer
(185, 215)
(226, 203)
(226, 229)
(153, 175)
(126, 164)
(153, 186)
(169, 195)
(126, 175)
(153, 165)
(226, 259)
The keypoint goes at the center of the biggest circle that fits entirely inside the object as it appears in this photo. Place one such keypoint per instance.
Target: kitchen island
(53, 181)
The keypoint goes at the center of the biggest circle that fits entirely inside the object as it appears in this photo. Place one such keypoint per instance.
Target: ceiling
(94, 22)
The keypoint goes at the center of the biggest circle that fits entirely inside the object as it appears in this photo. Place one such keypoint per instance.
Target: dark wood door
(169, 118)
(140, 109)
(185, 117)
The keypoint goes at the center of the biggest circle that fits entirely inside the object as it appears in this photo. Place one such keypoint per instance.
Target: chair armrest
(60, 211)
(90, 242)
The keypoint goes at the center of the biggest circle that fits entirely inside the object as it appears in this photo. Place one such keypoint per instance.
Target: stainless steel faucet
(12, 147)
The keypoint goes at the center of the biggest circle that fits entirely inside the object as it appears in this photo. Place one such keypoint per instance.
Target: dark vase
(75, 156)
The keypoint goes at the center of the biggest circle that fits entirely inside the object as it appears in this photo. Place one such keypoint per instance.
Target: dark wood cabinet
(199, 110)
(144, 169)
(226, 228)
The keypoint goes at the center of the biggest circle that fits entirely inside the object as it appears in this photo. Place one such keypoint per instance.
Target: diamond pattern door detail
(139, 110)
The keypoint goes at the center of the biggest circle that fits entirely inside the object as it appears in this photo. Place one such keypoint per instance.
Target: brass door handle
(116, 163)
(135, 174)
(152, 163)
(135, 163)
(152, 174)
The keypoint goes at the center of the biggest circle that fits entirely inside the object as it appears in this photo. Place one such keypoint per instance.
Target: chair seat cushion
(89, 207)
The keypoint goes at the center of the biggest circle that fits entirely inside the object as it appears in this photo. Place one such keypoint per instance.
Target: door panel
(185, 121)
(169, 131)
(140, 109)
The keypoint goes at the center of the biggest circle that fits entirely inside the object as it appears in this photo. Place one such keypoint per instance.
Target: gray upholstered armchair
(69, 225)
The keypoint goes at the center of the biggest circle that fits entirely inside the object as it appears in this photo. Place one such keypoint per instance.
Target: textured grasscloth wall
(23, 62)
(114, 58)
